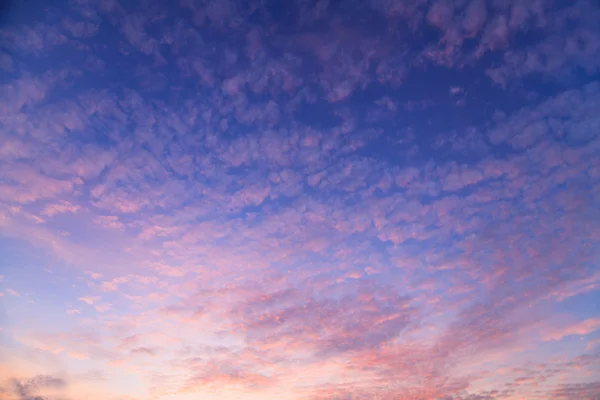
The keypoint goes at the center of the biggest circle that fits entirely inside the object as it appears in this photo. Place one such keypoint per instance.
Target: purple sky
(230, 200)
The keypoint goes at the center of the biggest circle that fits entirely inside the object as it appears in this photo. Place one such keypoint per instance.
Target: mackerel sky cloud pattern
(375, 199)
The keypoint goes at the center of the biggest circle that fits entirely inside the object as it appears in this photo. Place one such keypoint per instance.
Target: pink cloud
(28, 186)
(90, 300)
(103, 307)
(495, 36)
(440, 14)
(109, 221)
(60, 208)
(120, 201)
(578, 329)
(474, 17)
(253, 195)
(112, 286)
(133, 28)
(305, 220)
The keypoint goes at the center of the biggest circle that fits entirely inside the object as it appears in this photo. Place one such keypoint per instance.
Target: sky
(300, 200)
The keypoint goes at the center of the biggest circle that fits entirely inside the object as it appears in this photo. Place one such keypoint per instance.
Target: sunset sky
(300, 200)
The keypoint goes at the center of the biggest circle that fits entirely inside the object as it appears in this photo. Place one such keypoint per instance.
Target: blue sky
(378, 199)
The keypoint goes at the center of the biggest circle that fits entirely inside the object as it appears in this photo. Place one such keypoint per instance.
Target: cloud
(385, 199)
(560, 52)
(89, 300)
(59, 208)
(143, 350)
(103, 307)
(582, 389)
(26, 389)
(580, 328)
(109, 221)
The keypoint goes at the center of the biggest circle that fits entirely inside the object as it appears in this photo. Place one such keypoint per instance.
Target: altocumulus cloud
(391, 199)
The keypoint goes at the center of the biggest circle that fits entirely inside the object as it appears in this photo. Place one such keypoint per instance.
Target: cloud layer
(387, 199)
